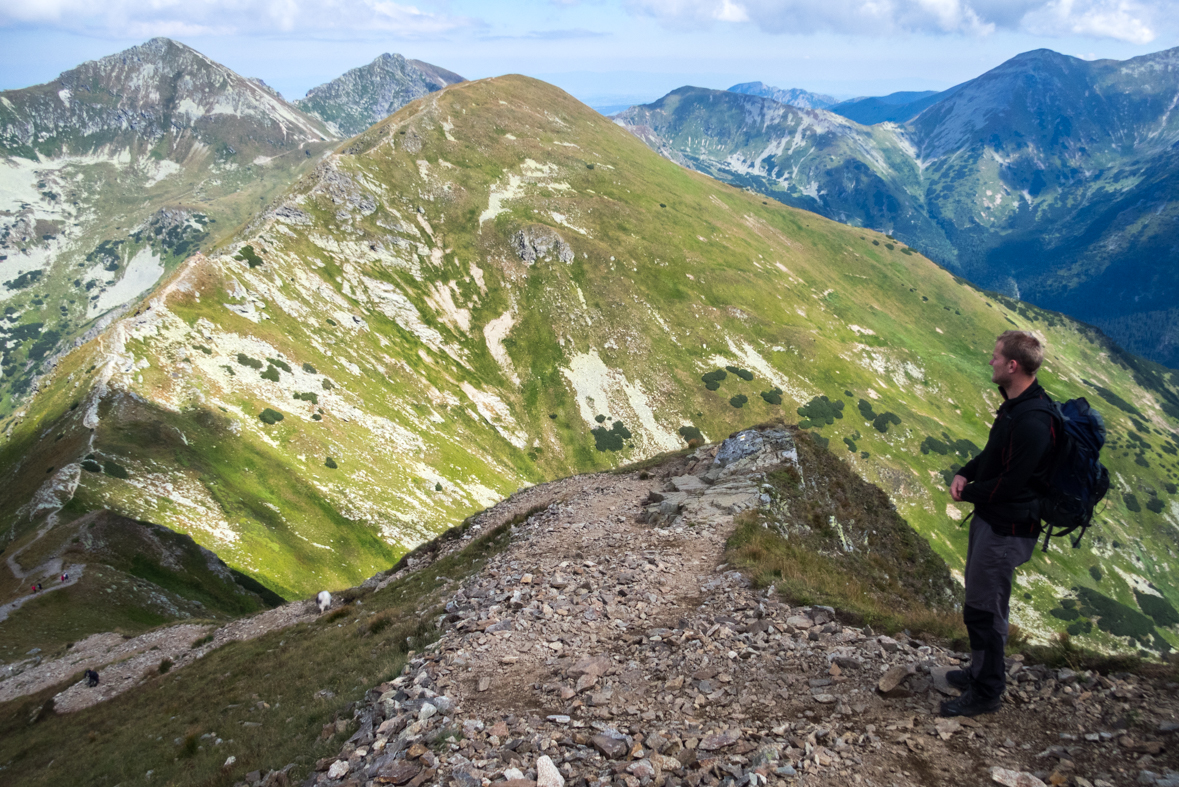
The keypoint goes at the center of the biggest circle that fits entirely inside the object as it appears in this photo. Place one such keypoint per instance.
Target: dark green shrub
(1077, 628)
(327, 384)
(713, 377)
(316, 417)
(875, 243)
(739, 400)
(271, 374)
(882, 421)
(91, 466)
(281, 364)
(114, 469)
(1113, 616)
(934, 445)
(866, 409)
(165, 665)
(821, 441)
(1095, 572)
(248, 255)
(744, 374)
(851, 444)
(205, 640)
(610, 439)
(437, 486)
(202, 348)
(1157, 608)
(822, 411)
(309, 369)
(600, 419)
(308, 397)
(1131, 503)
(331, 322)
(553, 416)
(773, 396)
(1155, 505)
(270, 417)
(330, 463)
(690, 433)
(1113, 398)
(246, 360)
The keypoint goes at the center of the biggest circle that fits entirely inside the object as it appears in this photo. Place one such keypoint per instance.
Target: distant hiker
(64, 577)
(34, 587)
(1006, 519)
(323, 600)
(38, 586)
(91, 678)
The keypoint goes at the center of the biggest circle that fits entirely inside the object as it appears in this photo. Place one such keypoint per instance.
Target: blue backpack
(1076, 479)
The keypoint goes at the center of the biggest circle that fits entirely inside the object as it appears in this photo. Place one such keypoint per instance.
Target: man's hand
(956, 487)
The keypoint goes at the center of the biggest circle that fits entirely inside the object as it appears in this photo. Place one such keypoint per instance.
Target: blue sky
(602, 51)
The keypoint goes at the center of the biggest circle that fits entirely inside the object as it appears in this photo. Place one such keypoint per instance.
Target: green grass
(345, 654)
(837, 541)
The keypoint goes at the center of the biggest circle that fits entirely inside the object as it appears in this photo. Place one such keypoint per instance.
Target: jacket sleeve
(1021, 457)
(970, 469)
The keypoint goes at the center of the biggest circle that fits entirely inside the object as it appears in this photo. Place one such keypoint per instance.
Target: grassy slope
(673, 275)
(134, 577)
(164, 721)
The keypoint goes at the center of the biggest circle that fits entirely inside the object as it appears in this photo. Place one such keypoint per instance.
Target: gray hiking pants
(991, 560)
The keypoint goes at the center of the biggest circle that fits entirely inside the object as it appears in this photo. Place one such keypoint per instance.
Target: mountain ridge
(496, 286)
(1048, 178)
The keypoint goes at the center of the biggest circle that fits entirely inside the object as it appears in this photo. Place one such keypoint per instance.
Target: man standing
(1001, 482)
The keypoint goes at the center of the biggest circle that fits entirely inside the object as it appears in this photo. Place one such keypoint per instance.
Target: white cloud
(1124, 20)
(141, 18)
(731, 12)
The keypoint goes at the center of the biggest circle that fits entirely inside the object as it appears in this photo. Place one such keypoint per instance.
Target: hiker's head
(1017, 356)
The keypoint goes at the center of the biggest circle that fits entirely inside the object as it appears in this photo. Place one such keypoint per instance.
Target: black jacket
(1003, 479)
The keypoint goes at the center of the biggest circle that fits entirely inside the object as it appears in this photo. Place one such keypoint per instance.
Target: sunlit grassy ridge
(470, 284)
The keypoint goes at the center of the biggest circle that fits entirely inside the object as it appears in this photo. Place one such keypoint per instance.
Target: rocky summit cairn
(601, 649)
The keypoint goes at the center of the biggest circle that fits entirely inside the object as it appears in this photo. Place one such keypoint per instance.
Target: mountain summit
(115, 172)
(794, 97)
(362, 96)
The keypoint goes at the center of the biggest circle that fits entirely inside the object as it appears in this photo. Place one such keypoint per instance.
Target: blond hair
(1024, 348)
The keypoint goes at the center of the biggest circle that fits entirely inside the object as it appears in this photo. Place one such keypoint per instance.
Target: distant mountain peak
(368, 94)
(795, 97)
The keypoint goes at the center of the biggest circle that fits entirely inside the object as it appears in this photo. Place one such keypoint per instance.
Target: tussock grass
(835, 540)
(163, 721)
(1064, 652)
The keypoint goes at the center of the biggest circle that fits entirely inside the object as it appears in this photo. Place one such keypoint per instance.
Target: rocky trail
(610, 645)
(50, 571)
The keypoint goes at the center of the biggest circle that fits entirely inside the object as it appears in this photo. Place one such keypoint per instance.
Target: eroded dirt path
(601, 650)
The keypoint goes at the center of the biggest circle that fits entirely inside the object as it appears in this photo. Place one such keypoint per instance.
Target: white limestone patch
(441, 299)
(530, 171)
(142, 272)
(391, 302)
(563, 220)
(884, 363)
(497, 413)
(494, 332)
(162, 170)
(601, 390)
(372, 251)
(1138, 583)
(862, 331)
(749, 358)
(187, 502)
(499, 195)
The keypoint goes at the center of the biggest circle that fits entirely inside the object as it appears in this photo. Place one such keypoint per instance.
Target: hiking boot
(970, 704)
(959, 679)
